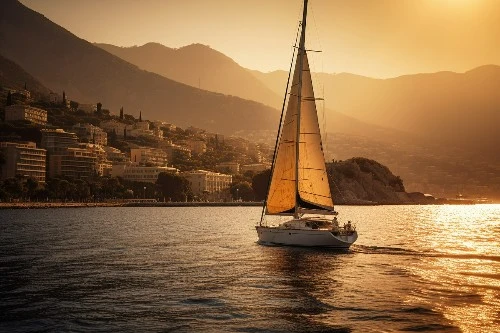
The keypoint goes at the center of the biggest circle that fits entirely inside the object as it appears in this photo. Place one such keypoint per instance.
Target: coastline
(49, 205)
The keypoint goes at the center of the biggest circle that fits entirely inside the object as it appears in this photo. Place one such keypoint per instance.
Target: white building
(256, 167)
(142, 125)
(115, 155)
(23, 158)
(229, 167)
(142, 128)
(208, 183)
(137, 173)
(114, 126)
(197, 146)
(57, 140)
(163, 124)
(88, 108)
(136, 132)
(26, 112)
(103, 166)
(174, 150)
(148, 156)
(91, 133)
(72, 162)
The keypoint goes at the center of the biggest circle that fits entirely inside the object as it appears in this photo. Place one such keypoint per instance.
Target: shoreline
(49, 205)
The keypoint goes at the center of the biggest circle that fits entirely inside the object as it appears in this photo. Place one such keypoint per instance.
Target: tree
(243, 191)
(121, 113)
(9, 98)
(128, 117)
(53, 187)
(260, 184)
(82, 190)
(31, 186)
(64, 99)
(111, 187)
(112, 137)
(73, 105)
(14, 187)
(64, 189)
(2, 159)
(173, 186)
(99, 108)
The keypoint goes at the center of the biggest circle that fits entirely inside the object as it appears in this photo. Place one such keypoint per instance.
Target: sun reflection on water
(463, 265)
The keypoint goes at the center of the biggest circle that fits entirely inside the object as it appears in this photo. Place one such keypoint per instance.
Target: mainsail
(312, 191)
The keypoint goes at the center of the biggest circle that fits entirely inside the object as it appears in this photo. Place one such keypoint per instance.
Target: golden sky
(377, 38)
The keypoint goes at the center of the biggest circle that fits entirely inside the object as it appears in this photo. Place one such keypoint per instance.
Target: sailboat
(299, 184)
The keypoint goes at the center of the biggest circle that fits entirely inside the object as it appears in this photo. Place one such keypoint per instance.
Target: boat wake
(402, 252)
(383, 250)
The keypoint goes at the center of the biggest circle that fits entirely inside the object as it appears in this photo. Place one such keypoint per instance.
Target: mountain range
(63, 62)
(190, 63)
(199, 66)
(452, 109)
(445, 108)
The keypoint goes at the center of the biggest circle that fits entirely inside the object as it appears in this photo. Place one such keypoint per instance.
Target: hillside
(88, 74)
(14, 77)
(361, 180)
(199, 66)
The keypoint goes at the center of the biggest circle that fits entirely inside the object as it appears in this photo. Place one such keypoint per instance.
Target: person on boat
(335, 222)
(348, 226)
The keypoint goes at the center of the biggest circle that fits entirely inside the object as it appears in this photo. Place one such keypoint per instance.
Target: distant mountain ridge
(62, 61)
(185, 64)
(447, 108)
(199, 66)
(459, 109)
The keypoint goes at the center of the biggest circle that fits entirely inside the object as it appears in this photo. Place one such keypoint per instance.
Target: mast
(302, 50)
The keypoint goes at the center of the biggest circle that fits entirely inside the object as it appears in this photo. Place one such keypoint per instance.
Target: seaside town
(57, 149)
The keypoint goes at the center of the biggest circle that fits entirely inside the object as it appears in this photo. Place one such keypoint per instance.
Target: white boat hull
(304, 237)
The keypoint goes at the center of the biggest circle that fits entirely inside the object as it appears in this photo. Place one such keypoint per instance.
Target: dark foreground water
(414, 269)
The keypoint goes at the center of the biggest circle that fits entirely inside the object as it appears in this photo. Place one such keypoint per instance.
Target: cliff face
(363, 181)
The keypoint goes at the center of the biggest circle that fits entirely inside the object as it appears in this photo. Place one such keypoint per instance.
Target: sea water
(199, 269)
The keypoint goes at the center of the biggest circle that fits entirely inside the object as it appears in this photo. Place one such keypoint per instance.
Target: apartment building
(72, 162)
(207, 182)
(149, 156)
(58, 140)
(23, 158)
(138, 173)
(26, 112)
(91, 134)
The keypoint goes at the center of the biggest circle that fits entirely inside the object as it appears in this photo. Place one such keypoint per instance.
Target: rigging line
(334, 183)
(318, 77)
(280, 127)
